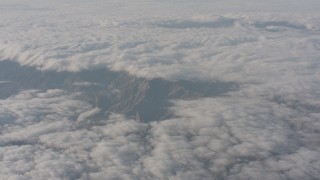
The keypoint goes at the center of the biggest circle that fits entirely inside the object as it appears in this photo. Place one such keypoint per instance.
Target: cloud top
(234, 138)
(267, 129)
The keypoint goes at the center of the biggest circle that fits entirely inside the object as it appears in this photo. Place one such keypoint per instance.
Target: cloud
(158, 48)
(85, 84)
(225, 137)
(267, 129)
(237, 138)
(33, 114)
(45, 138)
(4, 82)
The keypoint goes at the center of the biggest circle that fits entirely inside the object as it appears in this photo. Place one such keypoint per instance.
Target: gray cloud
(4, 82)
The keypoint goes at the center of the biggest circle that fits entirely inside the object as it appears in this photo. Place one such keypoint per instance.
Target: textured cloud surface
(45, 135)
(267, 129)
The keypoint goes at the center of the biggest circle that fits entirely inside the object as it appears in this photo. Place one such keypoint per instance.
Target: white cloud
(268, 129)
(88, 114)
(226, 137)
(86, 84)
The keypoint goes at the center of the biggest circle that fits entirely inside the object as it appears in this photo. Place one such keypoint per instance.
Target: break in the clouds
(266, 129)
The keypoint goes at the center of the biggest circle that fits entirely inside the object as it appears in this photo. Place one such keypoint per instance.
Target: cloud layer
(268, 129)
(52, 135)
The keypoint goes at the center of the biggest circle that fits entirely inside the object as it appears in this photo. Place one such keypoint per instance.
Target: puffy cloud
(268, 51)
(27, 117)
(236, 138)
(186, 46)
(43, 135)
(225, 137)
(268, 129)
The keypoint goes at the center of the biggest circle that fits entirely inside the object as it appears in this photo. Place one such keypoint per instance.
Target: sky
(267, 129)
